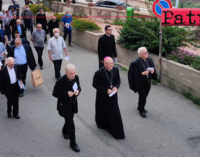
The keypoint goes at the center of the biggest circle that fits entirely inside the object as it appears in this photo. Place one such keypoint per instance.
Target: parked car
(110, 3)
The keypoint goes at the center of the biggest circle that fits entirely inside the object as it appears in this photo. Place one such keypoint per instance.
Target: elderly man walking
(140, 73)
(23, 55)
(27, 16)
(6, 26)
(10, 85)
(38, 37)
(108, 117)
(53, 23)
(67, 89)
(55, 48)
(20, 28)
(67, 27)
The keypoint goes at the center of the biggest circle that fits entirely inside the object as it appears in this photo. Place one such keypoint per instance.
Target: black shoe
(17, 117)
(21, 94)
(41, 68)
(142, 114)
(75, 148)
(9, 115)
(66, 136)
(145, 111)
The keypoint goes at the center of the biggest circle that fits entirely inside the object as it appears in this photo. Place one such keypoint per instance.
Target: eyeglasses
(17, 43)
(39, 27)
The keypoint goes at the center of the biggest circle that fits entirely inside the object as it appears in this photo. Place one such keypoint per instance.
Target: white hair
(9, 59)
(56, 29)
(19, 39)
(140, 50)
(69, 67)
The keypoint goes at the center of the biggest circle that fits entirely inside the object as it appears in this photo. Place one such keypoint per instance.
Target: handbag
(36, 77)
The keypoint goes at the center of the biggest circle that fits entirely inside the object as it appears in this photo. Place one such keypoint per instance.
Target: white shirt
(56, 47)
(12, 74)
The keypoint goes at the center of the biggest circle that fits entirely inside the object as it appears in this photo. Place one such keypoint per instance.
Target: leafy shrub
(118, 22)
(185, 57)
(85, 25)
(59, 16)
(190, 4)
(145, 32)
(35, 8)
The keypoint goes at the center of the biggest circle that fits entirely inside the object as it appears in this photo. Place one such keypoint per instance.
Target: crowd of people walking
(16, 55)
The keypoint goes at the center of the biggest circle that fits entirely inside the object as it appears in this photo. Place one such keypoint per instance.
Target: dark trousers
(8, 32)
(69, 33)
(39, 51)
(143, 93)
(13, 100)
(28, 25)
(23, 68)
(57, 67)
(69, 128)
(51, 33)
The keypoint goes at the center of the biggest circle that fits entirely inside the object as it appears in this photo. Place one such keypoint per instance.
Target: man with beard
(107, 81)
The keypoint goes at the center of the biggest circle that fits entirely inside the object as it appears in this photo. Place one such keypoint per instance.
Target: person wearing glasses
(38, 37)
(108, 117)
(67, 89)
(23, 56)
(107, 46)
(10, 85)
(140, 73)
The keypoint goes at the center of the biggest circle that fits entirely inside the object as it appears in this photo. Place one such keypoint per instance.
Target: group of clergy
(106, 81)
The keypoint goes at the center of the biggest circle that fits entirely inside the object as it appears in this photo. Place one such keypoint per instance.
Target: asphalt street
(171, 128)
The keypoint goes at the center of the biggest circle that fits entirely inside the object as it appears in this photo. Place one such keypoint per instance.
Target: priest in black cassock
(41, 18)
(106, 46)
(67, 89)
(140, 73)
(107, 81)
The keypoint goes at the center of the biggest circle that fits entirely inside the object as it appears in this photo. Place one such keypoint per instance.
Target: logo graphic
(158, 5)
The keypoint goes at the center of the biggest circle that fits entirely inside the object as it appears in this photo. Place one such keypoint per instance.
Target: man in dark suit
(20, 28)
(23, 55)
(106, 46)
(66, 89)
(10, 85)
(140, 73)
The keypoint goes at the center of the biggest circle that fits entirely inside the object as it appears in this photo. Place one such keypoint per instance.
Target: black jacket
(29, 55)
(41, 19)
(52, 25)
(135, 76)
(5, 87)
(23, 35)
(65, 104)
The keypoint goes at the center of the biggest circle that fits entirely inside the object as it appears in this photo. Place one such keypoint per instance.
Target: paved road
(172, 120)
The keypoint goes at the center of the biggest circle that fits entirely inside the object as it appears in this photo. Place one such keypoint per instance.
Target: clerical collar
(108, 35)
(143, 59)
